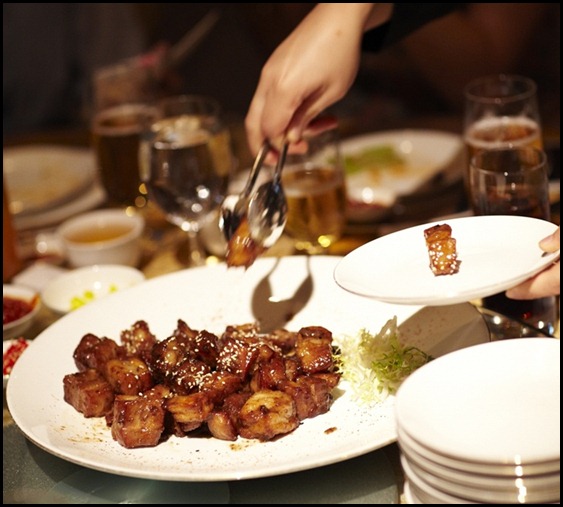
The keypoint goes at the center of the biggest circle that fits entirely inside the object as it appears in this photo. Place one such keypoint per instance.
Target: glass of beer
(314, 185)
(116, 134)
(514, 181)
(123, 98)
(501, 111)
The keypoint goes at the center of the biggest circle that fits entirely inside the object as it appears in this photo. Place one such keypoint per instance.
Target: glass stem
(196, 252)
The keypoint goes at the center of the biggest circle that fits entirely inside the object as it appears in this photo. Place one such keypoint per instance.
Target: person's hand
(311, 70)
(545, 283)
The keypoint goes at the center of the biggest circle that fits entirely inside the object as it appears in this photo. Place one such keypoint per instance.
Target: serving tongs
(235, 207)
(267, 209)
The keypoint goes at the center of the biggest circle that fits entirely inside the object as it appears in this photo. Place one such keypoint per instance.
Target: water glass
(514, 181)
(314, 185)
(186, 163)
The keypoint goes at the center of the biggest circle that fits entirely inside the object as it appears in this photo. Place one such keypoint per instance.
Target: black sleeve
(406, 19)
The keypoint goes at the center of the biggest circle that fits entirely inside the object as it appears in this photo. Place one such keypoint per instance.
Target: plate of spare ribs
(214, 373)
(448, 262)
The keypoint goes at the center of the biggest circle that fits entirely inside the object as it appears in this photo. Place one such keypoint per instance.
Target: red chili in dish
(12, 354)
(15, 308)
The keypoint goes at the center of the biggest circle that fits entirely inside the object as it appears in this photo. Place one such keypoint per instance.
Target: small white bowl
(106, 236)
(17, 328)
(78, 287)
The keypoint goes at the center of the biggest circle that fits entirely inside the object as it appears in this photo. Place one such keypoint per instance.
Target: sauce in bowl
(15, 308)
(93, 235)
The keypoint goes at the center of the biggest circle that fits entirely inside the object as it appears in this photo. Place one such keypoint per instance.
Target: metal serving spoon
(234, 207)
(267, 210)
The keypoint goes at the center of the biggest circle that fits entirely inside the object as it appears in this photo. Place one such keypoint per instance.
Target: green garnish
(377, 158)
(376, 365)
(87, 297)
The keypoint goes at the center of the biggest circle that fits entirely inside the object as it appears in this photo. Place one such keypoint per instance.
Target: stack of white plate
(482, 425)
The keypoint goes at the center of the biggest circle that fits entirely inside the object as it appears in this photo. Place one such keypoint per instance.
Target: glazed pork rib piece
(441, 250)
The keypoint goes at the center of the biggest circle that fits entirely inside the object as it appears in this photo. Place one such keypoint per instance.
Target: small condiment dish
(21, 305)
(81, 286)
(105, 236)
(11, 352)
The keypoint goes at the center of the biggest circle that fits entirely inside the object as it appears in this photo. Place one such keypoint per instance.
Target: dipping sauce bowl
(108, 236)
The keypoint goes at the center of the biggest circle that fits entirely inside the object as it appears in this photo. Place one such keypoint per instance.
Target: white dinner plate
(49, 183)
(496, 253)
(430, 157)
(273, 290)
(91, 198)
(40, 177)
(504, 413)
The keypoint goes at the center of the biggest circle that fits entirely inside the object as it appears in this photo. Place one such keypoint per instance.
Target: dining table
(33, 475)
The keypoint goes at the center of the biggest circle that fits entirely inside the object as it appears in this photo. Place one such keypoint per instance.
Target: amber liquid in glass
(316, 200)
(116, 134)
(500, 132)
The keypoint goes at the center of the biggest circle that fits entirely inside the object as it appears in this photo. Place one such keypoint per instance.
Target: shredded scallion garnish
(375, 365)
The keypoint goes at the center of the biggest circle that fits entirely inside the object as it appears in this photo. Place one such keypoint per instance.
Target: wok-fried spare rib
(314, 349)
(311, 395)
(190, 411)
(267, 414)
(88, 392)
(442, 250)
(95, 352)
(242, 250)
(241, 383)
(137, 421)
(221, 426)
(128, 376)
(138, 341)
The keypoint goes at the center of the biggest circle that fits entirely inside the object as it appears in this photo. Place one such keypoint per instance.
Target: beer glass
(501, 111)
(314, 186)
(514, 181)
(123, 108)
(116, 134)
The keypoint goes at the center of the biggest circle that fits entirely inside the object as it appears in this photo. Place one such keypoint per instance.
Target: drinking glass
(501, 111)
(123, 107)
(315, 189)
(116, 136)
(514, 181)
(186, 163)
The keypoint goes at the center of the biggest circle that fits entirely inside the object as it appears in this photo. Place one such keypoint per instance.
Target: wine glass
(186, 163)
